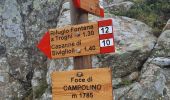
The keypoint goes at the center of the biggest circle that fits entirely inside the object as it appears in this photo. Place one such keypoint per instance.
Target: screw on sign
(79, 40)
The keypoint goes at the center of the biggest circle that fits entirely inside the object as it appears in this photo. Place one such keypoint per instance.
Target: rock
(117, 1)
(22, 24)
(153, 81)
(128, 80)
(167, 26)
(66, 6)
(116, 82)
(162, 48)
(160, 61)
(135, 92)
(58, 65)
(119, 93)
(12, 24)
(133, 76)
(2, 50)
(166, 72)
(150, 87)
(64, 20)
(121, 6)
(4, 66)
(39, 83)
(47, 95)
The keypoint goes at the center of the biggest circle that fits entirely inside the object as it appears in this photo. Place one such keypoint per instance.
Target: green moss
(30, 96)
(39, 90)
(126, 82)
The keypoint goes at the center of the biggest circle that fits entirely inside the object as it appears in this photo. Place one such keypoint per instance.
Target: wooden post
(78, 17)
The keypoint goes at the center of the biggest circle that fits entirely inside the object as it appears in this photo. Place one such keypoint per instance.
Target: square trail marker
(88, 84)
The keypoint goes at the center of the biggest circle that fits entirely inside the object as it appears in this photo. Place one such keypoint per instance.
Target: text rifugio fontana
(68, 34)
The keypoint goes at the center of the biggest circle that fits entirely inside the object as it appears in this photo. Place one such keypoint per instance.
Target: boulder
(120, 6)
(154, 82)
(167, 26)
(22, 67)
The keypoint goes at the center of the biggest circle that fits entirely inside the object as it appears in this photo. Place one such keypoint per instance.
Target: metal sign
(82, 85)
(79, 40)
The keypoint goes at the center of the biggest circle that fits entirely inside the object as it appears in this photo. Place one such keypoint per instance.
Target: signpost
(80, 41)
(89, 84)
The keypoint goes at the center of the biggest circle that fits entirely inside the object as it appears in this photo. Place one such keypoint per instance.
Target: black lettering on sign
(77, 79)
(61, 32)
(89, 33)
(68, 45)
(52, 39)
(63, 52)
(78, 43)
(86, 95)
(90, 79)
(94, 87)
(105, 29)
(64, 37)
(74, 95)
(91, 48)
(81, 28)
(83, 95)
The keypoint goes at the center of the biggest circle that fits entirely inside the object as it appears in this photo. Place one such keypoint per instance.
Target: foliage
(155, 13)
(126, 82)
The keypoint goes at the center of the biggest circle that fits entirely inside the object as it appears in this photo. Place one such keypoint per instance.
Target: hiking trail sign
(78, 40)
(91, 6)
(88, 84)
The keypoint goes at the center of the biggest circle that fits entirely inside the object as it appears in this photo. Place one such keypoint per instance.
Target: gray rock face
(12, 23)
(120, 6)
(162, 48)
(161, 58)
(154, 80)
(2, 50)
(167, 26)
(22, 67)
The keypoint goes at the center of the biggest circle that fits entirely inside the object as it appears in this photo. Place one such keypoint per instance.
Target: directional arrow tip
(44, 45)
